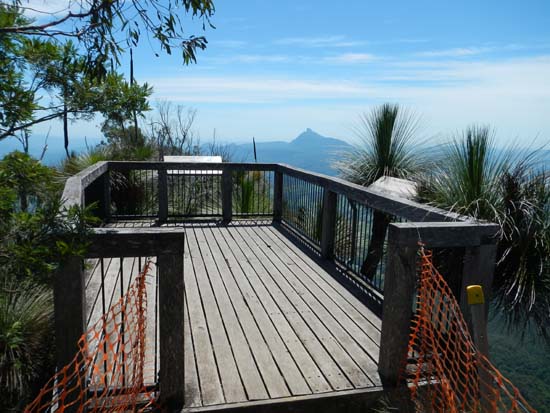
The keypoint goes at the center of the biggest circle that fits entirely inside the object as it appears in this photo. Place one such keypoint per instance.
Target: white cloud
(456, 52)
(325, 41)
(352, 58)
(230, 44)
(238, 89)
(489, 48)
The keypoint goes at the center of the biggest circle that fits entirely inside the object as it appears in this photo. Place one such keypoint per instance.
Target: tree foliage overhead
(104, 27)
(63, 66)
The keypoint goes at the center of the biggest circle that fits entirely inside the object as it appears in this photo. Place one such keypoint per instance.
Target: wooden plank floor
(265, 323)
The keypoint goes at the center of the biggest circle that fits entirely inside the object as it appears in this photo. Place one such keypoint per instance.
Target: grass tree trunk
(66, 130)
(375, 251)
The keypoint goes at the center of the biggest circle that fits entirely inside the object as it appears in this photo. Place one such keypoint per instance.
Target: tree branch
(12, 130)
(41, 28)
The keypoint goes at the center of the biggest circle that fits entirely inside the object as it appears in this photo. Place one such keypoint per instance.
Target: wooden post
(227, 195)
(479, 267)
(476, 301)
(399, 289)
(171, 330)
(69, 309)
(107, 195)
(163, 195)
(278, 196)
(328, 228)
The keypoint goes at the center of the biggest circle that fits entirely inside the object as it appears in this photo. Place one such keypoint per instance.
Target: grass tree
(387, 148)
(26, 321)
(502, 186)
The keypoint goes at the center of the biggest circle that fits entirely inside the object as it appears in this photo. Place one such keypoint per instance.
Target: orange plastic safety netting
(108, 373)
(444, 370)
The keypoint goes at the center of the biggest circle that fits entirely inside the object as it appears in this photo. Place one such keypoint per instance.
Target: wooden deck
(267, 326)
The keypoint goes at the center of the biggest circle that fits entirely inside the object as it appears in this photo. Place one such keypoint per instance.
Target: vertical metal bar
(227, 194)
(328, 224)
(163, 195)
(353, 245)
(106, 195)
(104, 310)
(122, 326)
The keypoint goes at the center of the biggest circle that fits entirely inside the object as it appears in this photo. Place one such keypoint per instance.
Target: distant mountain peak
(310, 137)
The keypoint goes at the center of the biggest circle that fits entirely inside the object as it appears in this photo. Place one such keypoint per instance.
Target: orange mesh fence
(108, 373)
(444, 371)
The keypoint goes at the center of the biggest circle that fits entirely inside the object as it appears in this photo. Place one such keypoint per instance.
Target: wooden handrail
(410, 210)
(73, 192)
(401, 207)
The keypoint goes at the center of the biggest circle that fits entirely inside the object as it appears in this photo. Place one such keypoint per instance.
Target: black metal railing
(253, 193)
(302, 207)
(361, 240)
(194, 193)
(134, 194)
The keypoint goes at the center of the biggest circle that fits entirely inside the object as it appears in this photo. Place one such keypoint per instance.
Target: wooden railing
(372, 237)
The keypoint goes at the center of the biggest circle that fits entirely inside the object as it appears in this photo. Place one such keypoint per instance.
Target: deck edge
(320, 402)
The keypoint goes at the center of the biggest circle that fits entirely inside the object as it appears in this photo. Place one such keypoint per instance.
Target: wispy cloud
(484, 49)
(238, 89)
(456, 52)
(248, 58)
(351, 58)
(230, 44)
(325, 41)
(399, 80)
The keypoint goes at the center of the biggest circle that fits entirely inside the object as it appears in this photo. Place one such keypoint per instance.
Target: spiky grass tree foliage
(78, 162)
(474, 178)
(466, 179)
(522, 281)
(387, 148)
(26, 323)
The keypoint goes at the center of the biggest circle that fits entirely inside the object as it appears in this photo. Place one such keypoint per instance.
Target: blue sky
(274, 68)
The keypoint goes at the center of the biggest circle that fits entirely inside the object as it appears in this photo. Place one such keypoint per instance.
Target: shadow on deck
(268, 326)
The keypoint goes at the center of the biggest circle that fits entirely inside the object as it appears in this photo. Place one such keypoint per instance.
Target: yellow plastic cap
(475, 294)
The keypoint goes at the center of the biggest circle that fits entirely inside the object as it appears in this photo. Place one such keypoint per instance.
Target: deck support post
(171, 330)
(399, 289)
(163, 195)
(278, 196)
(69, 309)
(328, 228)
(478, 269)
(227, 195)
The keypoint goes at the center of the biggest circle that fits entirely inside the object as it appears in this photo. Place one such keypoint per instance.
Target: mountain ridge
(309, 150)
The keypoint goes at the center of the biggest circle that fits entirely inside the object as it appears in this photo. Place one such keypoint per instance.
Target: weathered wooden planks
(267, 368)
(263, 321)
(252, 284)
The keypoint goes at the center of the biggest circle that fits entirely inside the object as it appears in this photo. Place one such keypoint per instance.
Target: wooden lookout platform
(260, 298)
(266, 323)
